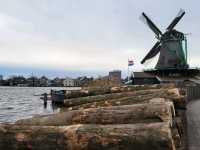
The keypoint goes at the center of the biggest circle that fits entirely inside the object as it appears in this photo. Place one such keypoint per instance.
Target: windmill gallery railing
(192, 92)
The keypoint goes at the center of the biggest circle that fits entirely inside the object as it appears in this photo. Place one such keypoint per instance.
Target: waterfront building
(115, 76)
(69, 82)
(33, 81)
(84, 80)
(16, 80)
(1, 80)
(141, 78)
(44, 81)
(1, 77)
(57, 82)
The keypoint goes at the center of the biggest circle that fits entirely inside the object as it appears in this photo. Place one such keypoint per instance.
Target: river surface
(24, 102)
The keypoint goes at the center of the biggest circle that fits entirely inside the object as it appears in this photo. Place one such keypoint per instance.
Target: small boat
(58, 97)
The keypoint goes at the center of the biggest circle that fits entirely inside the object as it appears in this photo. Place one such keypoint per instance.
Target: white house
(69, 82)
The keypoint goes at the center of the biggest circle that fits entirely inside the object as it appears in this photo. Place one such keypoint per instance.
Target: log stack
(125, 118)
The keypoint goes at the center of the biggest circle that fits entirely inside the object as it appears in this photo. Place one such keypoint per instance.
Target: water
(24, 102)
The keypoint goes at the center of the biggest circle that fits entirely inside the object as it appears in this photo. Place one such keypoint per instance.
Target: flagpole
(128, 72)
(130, 63)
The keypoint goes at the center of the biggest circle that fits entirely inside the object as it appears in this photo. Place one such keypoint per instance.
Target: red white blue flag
(130, 62)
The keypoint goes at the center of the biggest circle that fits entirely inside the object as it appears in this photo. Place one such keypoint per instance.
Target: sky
(72, 37)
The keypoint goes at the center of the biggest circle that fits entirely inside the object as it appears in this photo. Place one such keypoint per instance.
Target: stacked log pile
(125, 118)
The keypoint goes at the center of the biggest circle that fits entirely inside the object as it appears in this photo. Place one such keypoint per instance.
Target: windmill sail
(151, 25)
(153, 52)
(176, 20)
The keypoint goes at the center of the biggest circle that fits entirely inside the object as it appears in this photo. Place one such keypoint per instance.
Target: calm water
(23, 102)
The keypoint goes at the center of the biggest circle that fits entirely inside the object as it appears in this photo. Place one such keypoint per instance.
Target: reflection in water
(55, 107)
(45, 100)
(45, 105)
(24, 102)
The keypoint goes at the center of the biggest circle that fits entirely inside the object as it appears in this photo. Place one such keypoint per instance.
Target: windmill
(170, 45)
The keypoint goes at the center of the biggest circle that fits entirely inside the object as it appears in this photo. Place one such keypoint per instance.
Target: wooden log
(127, 114)
(155, 136)
(127, 88)
(99, 90)
(126, 98)
(137, 94)
(116, 102)
(89, 99)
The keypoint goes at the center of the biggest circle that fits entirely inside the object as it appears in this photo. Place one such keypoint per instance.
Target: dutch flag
(130, 62)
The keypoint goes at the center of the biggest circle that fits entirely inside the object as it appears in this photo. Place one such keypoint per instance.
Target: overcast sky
(88, 35)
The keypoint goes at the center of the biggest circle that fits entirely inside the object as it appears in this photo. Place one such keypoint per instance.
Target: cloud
(86, 35)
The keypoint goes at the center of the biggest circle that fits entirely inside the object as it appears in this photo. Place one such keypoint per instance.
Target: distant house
(83, 80)
(33, 81)
(115, 76)
(1, 77)
(104, 78)
(69, 82)
(1, 80)
(43, 81)
(57, 82)
(16, 80)
(141, 78)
